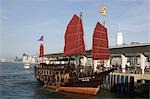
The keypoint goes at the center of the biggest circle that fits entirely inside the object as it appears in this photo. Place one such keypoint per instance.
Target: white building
(119, 38)
(29, 59)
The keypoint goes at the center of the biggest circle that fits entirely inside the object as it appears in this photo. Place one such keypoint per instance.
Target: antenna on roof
(119, 26)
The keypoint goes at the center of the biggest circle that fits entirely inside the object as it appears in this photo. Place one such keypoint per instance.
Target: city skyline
(23, 22)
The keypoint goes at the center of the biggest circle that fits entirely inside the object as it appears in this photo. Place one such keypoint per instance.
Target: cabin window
(61, 72)
(57, 72)
(49, 79)
(49, 72)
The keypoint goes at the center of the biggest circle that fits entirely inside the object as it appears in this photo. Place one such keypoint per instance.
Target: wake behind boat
(67, 74)
(26, 61)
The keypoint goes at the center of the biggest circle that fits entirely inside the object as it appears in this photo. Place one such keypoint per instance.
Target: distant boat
(71, 77)
(26, 61)
(26, 65)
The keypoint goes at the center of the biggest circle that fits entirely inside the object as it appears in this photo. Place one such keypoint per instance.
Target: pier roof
(128, 49)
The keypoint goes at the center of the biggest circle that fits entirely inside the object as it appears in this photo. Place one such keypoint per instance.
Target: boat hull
(80, 90)
(84, 85)
(26, 66)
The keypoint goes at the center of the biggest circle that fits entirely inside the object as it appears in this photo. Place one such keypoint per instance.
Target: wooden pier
(125, 81)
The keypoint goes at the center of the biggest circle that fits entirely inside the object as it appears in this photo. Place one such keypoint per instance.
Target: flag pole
(103, 13)
(41, 54)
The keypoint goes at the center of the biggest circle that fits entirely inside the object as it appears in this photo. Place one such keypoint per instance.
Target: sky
(22, 22)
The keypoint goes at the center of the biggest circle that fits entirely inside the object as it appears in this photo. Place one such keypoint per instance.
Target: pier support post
(123, 63)
(107, 63)
(142, 62)
(112, 80)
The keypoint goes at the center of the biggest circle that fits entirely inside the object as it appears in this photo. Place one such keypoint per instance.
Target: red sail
(100, 50)
(74, 43)
(41, 50)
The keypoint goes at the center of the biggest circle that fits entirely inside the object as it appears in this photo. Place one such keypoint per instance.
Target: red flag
(41, 38)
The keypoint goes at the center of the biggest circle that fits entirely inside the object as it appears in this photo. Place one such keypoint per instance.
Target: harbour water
(18, 83)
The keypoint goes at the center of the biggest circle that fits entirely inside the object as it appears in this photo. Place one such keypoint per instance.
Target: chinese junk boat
(67, 74)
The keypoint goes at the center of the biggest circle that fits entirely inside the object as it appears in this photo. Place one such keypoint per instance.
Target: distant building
(7, 59)
(29, 59)
(119, 38)
(17, 60)
(135, 43)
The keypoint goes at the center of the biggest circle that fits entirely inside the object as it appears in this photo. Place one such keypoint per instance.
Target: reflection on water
(17, 83)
